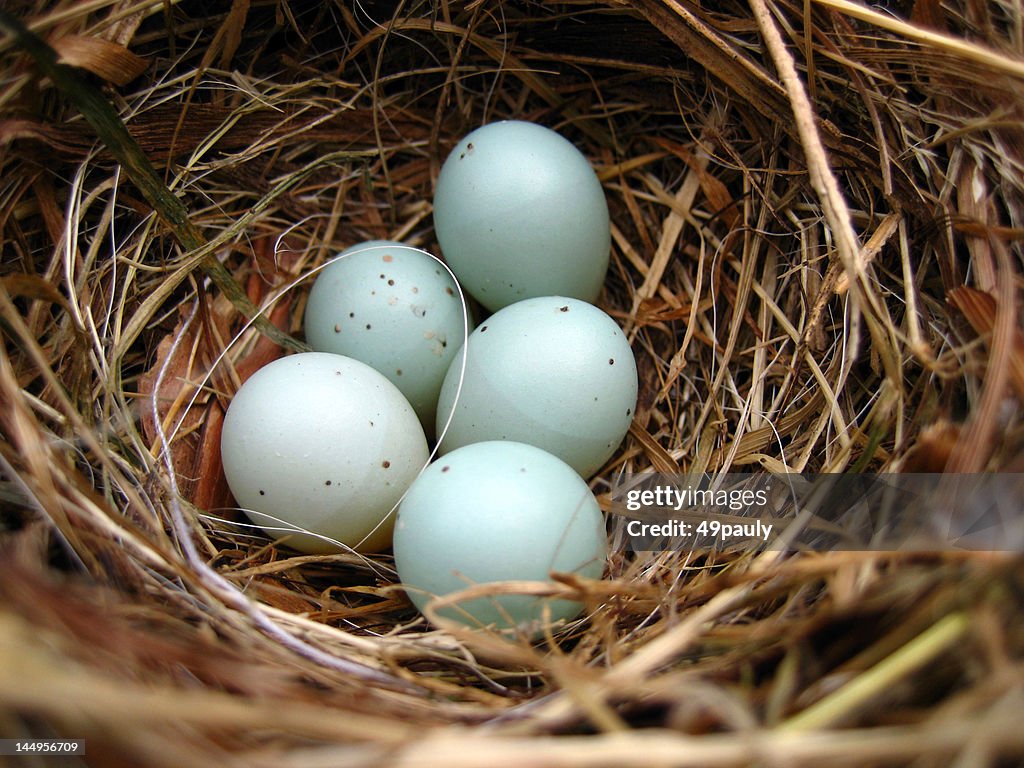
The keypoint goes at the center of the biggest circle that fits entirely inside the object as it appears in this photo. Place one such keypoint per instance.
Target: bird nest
(816, 217)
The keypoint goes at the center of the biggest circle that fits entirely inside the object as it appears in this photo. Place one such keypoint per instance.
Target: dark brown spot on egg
(483, 328)
(469, 147)
(445, 468)
(327, 482)
(351, 314)
(337, 328)
(564, 309)
(382, 275)
(262, 492)
(611, 361)
(368, 326)
(385, 463)
(398, 371)
(449, 291)
(391, 282)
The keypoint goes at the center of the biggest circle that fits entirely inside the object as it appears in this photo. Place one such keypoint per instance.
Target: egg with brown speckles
(519, 212)
(319, 447)
(395, 308)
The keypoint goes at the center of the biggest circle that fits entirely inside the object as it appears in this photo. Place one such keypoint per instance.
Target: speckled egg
(396, 309)
(498, 511)
(519, 212)
(324, 443)
(551, 371)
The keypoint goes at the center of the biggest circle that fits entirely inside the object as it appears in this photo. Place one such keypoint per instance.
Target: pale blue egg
(323, 443)
(498, 511)
(394, 308)
(552, 371)
(519, 212)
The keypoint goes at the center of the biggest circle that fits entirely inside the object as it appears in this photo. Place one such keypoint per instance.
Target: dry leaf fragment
(928, 14)
(718, 196)
(33, 287)
(931, 452)
(111, 61)
(272, 592)
(979, 308)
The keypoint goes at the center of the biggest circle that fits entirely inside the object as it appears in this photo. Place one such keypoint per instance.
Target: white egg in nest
(324, 443)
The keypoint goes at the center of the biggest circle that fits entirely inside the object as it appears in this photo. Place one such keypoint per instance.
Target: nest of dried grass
(817, 219)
